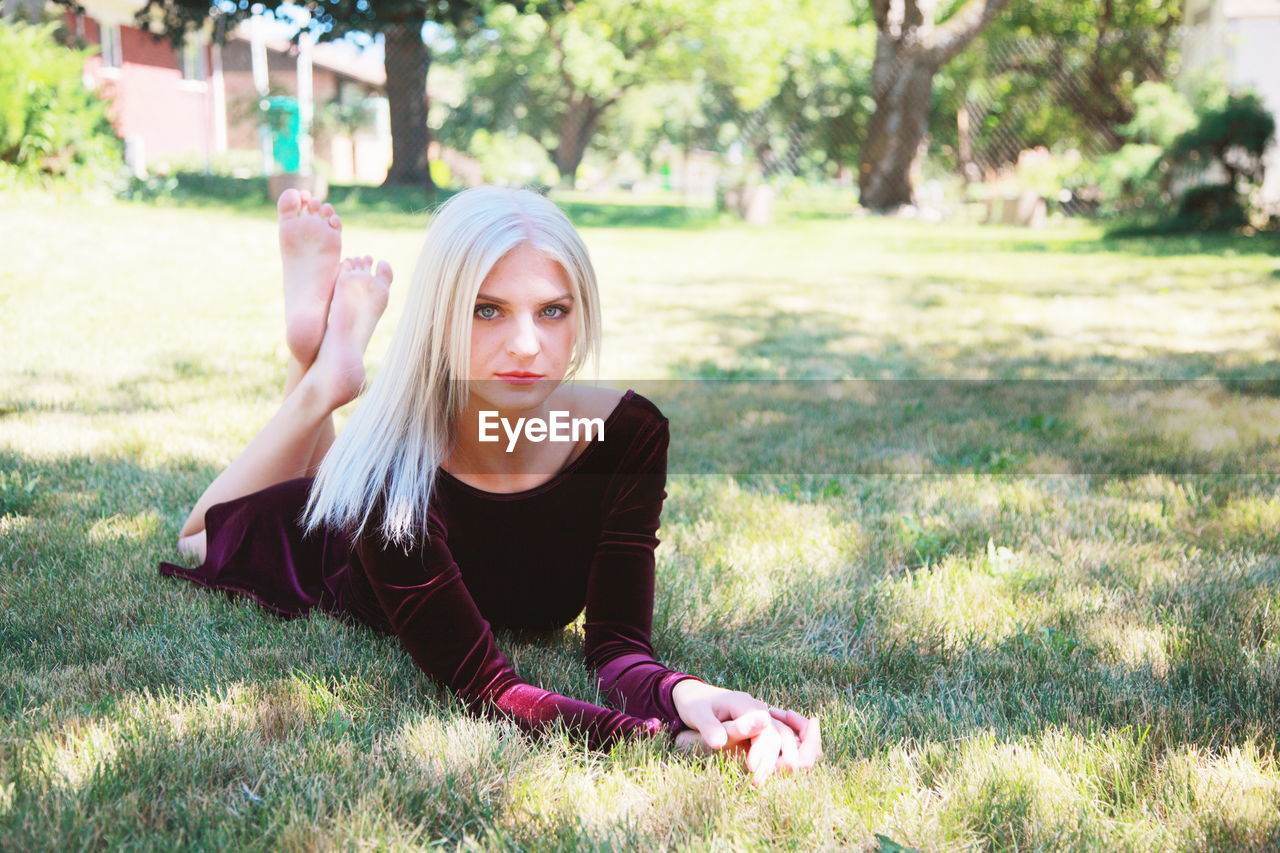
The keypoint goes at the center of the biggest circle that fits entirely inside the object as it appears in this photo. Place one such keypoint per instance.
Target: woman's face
(522, 330)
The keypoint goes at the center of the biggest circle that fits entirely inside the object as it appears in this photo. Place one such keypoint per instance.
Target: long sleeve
(429, 608)
(620, 588)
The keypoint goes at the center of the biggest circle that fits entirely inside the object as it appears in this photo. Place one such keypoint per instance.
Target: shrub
(1217, 161)
(1231, 140)
(51, 126)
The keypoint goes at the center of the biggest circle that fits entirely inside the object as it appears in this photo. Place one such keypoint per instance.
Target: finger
(703, 718)
(789, 756)
(748, 725)
(810, 744)
(796, 721)
(763, 756)
(690, 740)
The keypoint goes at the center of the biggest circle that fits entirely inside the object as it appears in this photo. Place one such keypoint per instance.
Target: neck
(470, 455)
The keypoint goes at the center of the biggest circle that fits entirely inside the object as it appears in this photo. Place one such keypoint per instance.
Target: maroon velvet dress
(530, 559)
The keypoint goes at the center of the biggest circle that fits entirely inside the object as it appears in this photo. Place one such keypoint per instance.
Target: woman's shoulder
(626, 413)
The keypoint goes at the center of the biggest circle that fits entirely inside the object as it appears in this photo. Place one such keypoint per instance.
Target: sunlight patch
(1121, 641)
(959, 601)
(79, 749)
(1241, 787)
(120, 527)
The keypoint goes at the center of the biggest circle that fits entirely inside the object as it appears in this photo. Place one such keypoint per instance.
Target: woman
(413, 523)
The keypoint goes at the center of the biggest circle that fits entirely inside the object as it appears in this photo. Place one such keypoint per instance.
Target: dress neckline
(556, 478)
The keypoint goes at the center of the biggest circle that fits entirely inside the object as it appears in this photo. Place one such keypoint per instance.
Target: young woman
(412, 523)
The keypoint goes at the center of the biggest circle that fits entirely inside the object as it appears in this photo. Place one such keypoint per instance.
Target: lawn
(1036, 606)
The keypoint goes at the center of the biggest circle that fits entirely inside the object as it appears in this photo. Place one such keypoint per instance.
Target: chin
(497, 394)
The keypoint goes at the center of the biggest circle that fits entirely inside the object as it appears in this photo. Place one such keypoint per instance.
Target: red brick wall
(149, 97)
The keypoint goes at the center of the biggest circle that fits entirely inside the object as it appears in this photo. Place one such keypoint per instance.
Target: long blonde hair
(403, 428)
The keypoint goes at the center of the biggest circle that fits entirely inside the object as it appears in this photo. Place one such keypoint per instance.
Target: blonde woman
(412, 523)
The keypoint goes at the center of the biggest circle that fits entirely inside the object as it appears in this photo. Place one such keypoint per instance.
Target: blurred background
(1145, 115)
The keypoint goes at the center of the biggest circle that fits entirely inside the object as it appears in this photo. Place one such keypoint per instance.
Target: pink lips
(520, 378)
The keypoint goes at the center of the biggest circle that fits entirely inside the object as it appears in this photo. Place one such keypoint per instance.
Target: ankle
(310, 399)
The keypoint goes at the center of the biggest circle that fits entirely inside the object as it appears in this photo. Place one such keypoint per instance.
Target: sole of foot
(359, 298)
(310, 246)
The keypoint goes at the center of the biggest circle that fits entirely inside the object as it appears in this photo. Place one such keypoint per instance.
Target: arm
(620, 592)
(620, 589)
(438, 624)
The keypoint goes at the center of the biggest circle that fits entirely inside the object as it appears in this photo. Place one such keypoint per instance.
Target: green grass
(1030, 619)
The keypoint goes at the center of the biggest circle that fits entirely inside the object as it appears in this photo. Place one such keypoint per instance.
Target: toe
(305, 198)
(314, 206)
(288, 202)
(384, 271)
(335, 221)
(326, 210)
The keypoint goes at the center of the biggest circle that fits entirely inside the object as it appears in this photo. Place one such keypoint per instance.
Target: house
(197, 105)
(1240, 38)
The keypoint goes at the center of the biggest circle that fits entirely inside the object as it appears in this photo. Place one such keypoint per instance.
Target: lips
(519, 374)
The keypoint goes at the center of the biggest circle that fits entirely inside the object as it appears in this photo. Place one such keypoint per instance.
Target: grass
(1032, 614)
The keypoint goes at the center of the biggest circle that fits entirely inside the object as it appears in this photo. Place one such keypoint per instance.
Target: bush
(1218, 161)
(51, 126)
(1130, 181)
(1232, 140)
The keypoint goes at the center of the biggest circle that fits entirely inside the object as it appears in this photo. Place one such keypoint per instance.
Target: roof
(340, 57)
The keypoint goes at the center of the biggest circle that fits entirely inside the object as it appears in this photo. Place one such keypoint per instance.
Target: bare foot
(193, 547)
(310, 244)
(359, 298)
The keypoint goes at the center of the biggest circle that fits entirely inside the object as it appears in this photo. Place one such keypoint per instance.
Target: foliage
(51, 125)
(1233, 137)
(1218, 161)
(511, 158)
(1055, 73)
(1130, 180)
(815, 124)
(563, 79)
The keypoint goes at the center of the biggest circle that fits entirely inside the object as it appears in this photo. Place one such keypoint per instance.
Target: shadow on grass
(410, 207)
(33, 391)
(1000, 239)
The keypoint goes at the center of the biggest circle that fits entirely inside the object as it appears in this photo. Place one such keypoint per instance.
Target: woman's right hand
(782, 740)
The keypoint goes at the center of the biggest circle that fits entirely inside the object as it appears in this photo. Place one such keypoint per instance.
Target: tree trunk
(407, 61)
(909, 51)
(896, 131)
(577, 126)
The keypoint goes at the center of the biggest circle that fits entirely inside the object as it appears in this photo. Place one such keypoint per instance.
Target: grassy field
(1031, 614)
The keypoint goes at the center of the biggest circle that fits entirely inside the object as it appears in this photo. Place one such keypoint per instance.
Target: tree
(1056, 73)
(406, 56)
(910, 49)
(558, 77)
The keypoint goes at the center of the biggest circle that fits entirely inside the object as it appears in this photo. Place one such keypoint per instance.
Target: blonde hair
(403, 428)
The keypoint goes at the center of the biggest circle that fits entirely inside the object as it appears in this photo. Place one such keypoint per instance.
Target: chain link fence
(1012, 128)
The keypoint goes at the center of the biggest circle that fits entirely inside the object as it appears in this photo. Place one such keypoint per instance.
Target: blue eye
(563, 311)
(480, 308)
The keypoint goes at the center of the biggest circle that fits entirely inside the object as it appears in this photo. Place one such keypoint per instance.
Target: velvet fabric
(532, 559)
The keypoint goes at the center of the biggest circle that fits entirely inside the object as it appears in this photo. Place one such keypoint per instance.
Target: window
(193, 61)
(112, 52)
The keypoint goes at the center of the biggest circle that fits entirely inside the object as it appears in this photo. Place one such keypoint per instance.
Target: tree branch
(961, 28)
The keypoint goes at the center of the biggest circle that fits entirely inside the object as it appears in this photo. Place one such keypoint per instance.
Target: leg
(285, 447)
(325, 434)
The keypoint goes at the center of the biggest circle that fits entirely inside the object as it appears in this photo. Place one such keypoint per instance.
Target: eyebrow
(561, 297)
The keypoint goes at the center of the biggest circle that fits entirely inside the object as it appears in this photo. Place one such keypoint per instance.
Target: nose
(524, 339)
